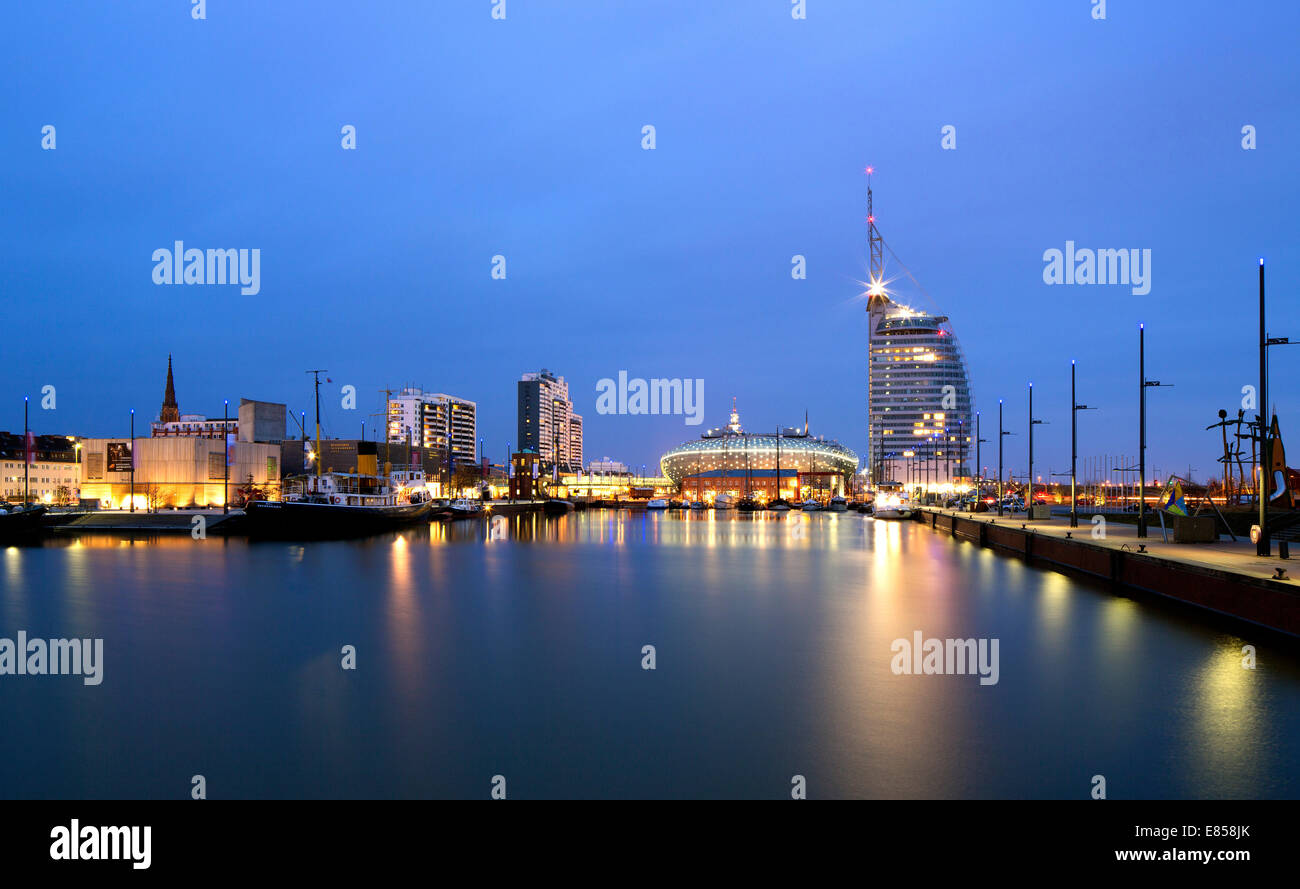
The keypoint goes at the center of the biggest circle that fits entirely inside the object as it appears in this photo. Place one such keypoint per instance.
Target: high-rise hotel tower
(919, 411)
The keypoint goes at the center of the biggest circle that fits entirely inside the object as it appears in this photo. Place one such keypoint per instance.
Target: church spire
(170, 412)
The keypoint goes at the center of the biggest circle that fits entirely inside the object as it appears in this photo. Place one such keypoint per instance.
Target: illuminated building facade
(183, 471)
(919, 409)
(733, 461)
(435, 421)
(547, 424)
(52, 476)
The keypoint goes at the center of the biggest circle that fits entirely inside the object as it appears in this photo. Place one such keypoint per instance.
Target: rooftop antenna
(875, 243)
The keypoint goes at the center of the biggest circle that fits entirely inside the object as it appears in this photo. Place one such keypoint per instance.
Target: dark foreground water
(523, 658)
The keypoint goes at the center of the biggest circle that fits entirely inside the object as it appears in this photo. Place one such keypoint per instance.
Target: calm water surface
(522, 657)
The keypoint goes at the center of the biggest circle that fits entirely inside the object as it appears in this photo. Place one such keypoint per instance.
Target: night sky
(523, 137)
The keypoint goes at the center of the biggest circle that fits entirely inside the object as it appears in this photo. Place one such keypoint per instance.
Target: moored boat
(657, 503)
(724, 501)
(464, 508)
(555, 506)
(838, 504)
(336, 505)
(20, 522)
(891, 506)
(810, 505)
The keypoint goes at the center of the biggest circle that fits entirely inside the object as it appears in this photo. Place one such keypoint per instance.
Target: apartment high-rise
(435, 421)
(547, 424)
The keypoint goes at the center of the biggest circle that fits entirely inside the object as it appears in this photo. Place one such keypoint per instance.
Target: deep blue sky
(522, 137)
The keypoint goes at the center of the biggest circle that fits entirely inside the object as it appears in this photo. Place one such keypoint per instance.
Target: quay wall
(1261, 600)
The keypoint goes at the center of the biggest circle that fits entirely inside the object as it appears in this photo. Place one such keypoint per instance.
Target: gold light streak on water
(1225, 713)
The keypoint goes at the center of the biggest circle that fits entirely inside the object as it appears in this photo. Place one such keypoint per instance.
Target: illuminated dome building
(733, 461)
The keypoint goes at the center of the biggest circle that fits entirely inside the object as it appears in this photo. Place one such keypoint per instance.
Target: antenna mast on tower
(876, 244)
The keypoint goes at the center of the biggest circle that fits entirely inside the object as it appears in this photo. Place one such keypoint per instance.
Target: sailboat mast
(316, 377)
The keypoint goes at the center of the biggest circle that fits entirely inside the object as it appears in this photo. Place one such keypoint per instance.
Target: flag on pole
(29, 448)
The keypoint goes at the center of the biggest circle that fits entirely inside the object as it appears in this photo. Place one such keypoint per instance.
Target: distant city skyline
(522, 139)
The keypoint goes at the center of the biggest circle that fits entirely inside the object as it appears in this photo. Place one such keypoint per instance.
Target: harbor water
(516, 653)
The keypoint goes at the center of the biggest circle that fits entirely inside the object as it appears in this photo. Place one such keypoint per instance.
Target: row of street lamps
(1075, 407)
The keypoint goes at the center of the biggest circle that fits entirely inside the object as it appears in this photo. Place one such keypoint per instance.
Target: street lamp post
(1029, 500)
(225, 455)
(1001, 434)
(1264, 546)
(27, 458)
(132, 459)
(1142, 429)
(1075, 407)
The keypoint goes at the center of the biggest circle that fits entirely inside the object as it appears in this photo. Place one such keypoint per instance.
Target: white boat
(724, 501)
(778, 505)
(465, 507)
(810, 505)
(657, 504)
(838, 504)
(891, 506)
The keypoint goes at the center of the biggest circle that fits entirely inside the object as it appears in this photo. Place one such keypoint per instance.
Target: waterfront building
(919, 406)
(621, 486)
(176, 471)
(436, 421)
(52, 476)
(348, 454)
(607, 467)
(733, 461)
(547, 424)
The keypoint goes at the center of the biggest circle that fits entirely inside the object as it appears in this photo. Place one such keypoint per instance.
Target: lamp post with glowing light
(27, 457)
(132, 459)
(1029, 501)
(225, 455)
(1075, 407)
(1142, 428)
(1002, 433)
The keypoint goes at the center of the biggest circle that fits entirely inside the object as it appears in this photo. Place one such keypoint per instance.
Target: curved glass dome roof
(732, 450)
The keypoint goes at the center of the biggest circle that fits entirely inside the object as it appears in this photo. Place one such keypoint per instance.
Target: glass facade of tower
(919, 406)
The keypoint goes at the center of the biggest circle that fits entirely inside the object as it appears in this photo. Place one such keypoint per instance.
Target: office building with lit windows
(919, 409)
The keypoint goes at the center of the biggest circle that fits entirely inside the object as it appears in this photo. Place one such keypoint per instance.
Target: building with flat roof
(435, 421)
(178, 471)
(547, 424)
(53, 474)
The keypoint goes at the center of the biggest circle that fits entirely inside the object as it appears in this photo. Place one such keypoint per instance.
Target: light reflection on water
(521, 656)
